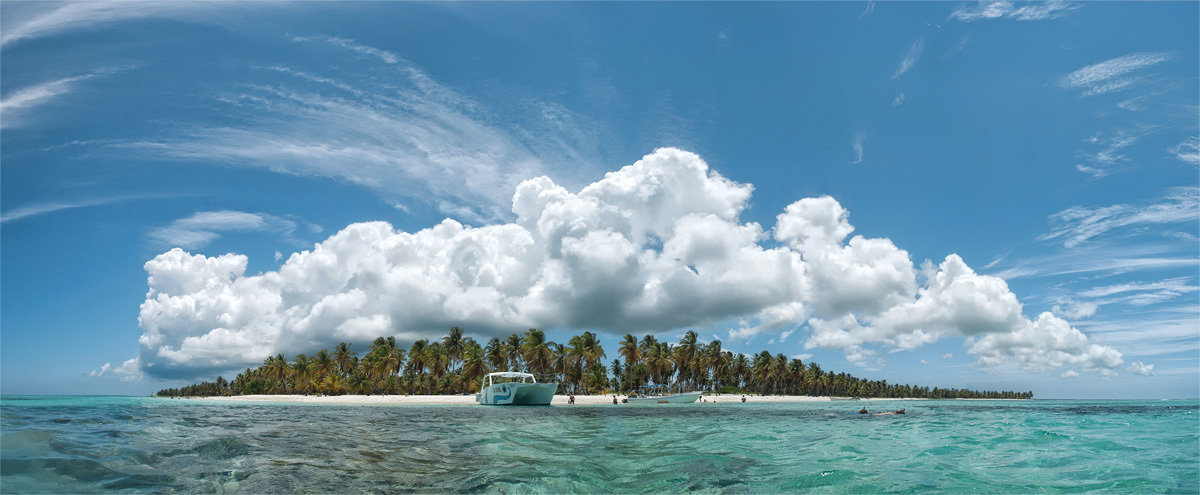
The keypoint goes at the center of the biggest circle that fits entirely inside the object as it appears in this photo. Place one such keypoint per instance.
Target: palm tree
(453, 343)
(741, 369)
(437, 361)
(647, 344)
(618, 374)
(344, 358)
(593, 353)
(633, 356)
(795, 374)
(278, 369)
(359, 383)
(323, 367)
(713, 363)
(813, 378)
(584, 352)
(396, 358)
(416, 356)
(474, 366)
(660, 364)
(535, 350)
(779, 372)
(762, 371)
(558, 361)
(512, 351)
(302, 371)
(685, 357)
(495, 354)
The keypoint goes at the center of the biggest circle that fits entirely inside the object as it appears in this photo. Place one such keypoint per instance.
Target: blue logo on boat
(502, 397)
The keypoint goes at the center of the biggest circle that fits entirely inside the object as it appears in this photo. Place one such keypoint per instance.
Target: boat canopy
(490, 377)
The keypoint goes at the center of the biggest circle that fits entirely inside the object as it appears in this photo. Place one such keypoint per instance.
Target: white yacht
(510, 388)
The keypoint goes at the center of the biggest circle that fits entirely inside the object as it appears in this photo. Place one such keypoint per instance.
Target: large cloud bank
(657, 245)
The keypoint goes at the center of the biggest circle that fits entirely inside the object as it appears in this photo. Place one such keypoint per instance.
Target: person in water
(901, 411)
(862, 411)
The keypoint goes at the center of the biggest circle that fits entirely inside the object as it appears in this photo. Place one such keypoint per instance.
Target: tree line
(456, 364)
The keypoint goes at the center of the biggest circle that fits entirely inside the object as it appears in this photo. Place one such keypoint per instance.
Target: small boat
(659, 394)
(511, 388)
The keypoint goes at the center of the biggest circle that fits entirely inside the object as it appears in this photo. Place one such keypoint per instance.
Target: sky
(996, 195)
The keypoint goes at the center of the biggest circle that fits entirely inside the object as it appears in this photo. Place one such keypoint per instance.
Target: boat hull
(517, 394)
(684, 398)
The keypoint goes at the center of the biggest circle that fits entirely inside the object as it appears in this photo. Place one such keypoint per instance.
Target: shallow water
(122, 444)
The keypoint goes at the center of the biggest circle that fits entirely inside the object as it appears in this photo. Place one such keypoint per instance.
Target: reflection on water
(91, 445)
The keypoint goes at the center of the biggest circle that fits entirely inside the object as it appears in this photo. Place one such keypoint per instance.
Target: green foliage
(456, 363)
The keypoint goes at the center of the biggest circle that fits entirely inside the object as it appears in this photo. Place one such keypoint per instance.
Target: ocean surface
(153, 445)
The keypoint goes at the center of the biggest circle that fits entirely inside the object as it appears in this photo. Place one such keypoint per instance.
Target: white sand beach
(396, 400)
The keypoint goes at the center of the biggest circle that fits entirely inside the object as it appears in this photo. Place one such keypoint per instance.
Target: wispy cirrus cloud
(391, 128)
(56, 206)
(910, 58)
(1110, 75)
(1141, 293)
(1077, 225)
(201, 228)
(1106, 153)
(384, 55)
(860, 138)
(29, 20)
(17, 107)
(1032, 11)
(1187, 151)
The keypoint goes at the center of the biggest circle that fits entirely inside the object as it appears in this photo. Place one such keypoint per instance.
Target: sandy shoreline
(465, 400)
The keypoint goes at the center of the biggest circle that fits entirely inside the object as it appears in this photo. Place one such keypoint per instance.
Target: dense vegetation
(456, 364)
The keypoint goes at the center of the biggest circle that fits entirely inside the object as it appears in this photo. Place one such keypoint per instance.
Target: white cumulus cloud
(655, 246)
(1140, 369)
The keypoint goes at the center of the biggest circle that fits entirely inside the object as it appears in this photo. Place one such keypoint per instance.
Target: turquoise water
(121, 444)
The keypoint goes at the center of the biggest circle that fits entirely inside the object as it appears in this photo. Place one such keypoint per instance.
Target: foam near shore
(417, 400)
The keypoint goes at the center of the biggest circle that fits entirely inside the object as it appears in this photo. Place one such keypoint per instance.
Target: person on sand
(571, 399)
(614, 399)
(743, 399)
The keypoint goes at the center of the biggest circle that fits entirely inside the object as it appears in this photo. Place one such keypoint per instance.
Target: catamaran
(511, 388)
(659, 394)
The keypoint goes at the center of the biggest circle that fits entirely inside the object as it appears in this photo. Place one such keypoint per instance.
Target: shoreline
(469, 400)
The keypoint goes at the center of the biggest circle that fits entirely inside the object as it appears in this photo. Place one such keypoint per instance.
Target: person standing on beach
(571, 399)
(743, 399)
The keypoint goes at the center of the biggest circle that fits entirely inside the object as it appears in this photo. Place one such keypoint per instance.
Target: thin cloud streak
(859, 140)
(29, 20)
(1036, 11)
(52, 207)
(410, 140)
(1108, 76)
(202, 228)
(19, 104)
(384, 55)
(1187, 151)
(910, 59)
(1077, 225)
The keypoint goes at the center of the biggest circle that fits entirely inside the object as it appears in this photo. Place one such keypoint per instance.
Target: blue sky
(986, 195)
